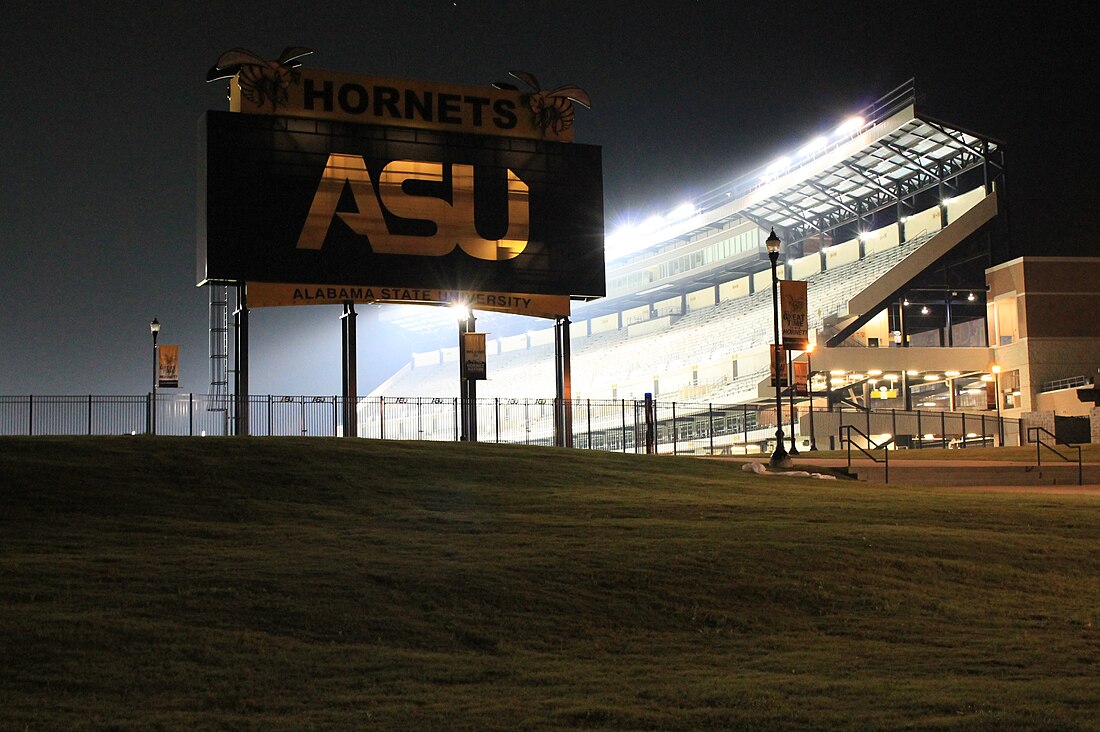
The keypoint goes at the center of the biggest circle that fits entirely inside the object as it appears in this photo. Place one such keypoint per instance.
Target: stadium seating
(689, 360)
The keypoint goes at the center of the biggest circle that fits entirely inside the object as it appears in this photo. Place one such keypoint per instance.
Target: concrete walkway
(964, 474)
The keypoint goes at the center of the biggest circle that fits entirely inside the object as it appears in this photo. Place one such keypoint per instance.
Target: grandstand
(893, 221)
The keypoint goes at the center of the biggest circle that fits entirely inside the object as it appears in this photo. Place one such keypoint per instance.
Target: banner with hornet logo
(794, 308)
(168, 367)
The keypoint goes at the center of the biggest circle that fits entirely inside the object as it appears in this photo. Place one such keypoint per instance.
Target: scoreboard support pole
(563, 415)
(240, 373)
(349, 371)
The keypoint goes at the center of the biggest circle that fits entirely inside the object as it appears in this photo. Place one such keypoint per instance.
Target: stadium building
(923, 316)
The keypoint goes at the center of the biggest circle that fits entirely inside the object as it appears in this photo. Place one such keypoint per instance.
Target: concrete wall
(924, 222)
(700, 298)
(881, 239)
(1036, 419)
(733, 289)
(763, 280)
(842, 254)
(960, 204)
(604, 323)
(803, 267)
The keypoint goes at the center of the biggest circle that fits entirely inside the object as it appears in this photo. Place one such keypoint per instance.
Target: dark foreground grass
(292, 584)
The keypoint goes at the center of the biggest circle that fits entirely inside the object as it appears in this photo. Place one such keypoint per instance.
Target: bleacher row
(692, 359)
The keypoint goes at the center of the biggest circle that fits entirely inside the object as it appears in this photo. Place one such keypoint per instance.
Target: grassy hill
(291, 584)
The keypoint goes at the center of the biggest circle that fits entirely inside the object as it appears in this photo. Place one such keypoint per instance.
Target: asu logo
(454, 220)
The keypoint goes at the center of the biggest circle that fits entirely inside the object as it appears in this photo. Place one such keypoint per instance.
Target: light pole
(1000, 425)
(154, 328)
(792, 387)
(810, 391)
(779, 458)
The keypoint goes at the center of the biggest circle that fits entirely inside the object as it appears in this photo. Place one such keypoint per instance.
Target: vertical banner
(794, 307)
(801, 378)
(781, 357)
(168, 371)
(473, 356)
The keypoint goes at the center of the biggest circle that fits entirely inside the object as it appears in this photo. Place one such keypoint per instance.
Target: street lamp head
(996, 369)
(772, 243)
(154, 327)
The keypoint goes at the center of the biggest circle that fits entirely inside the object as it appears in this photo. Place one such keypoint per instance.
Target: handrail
(1039, 444)
(885, 452)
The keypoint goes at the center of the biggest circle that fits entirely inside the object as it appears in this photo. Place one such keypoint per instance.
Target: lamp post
(810, 390)
(792, 387)
(779, 458)
(997, 386)
(154, 328)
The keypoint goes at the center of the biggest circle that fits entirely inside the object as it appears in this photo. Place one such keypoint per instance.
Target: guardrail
(846, 436)
(1040, 444)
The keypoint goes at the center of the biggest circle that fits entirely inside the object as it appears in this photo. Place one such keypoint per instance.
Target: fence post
(335, 415)
(710, 429)
(589, 401)
(496, 419)
(624, 423)
(381, 418)
(920, 432)
(89, 414)
(30, 415)
(943, 429)
(963, 429)
(894, 422)
(456, 419)
(745, 427)
(675, 432)
(148, 413)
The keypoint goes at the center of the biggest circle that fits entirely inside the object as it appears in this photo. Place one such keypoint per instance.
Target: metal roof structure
(887, 163)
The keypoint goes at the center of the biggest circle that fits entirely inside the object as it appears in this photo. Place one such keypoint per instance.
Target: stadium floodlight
(683, 211)
(461, 311)
(849, 126)
(777, 166)
(950, 374)
(779, 458)
(874, 372)
(931, 377)
(814, 146)
(970, 297)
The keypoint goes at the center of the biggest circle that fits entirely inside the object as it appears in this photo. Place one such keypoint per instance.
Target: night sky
(101, 101)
